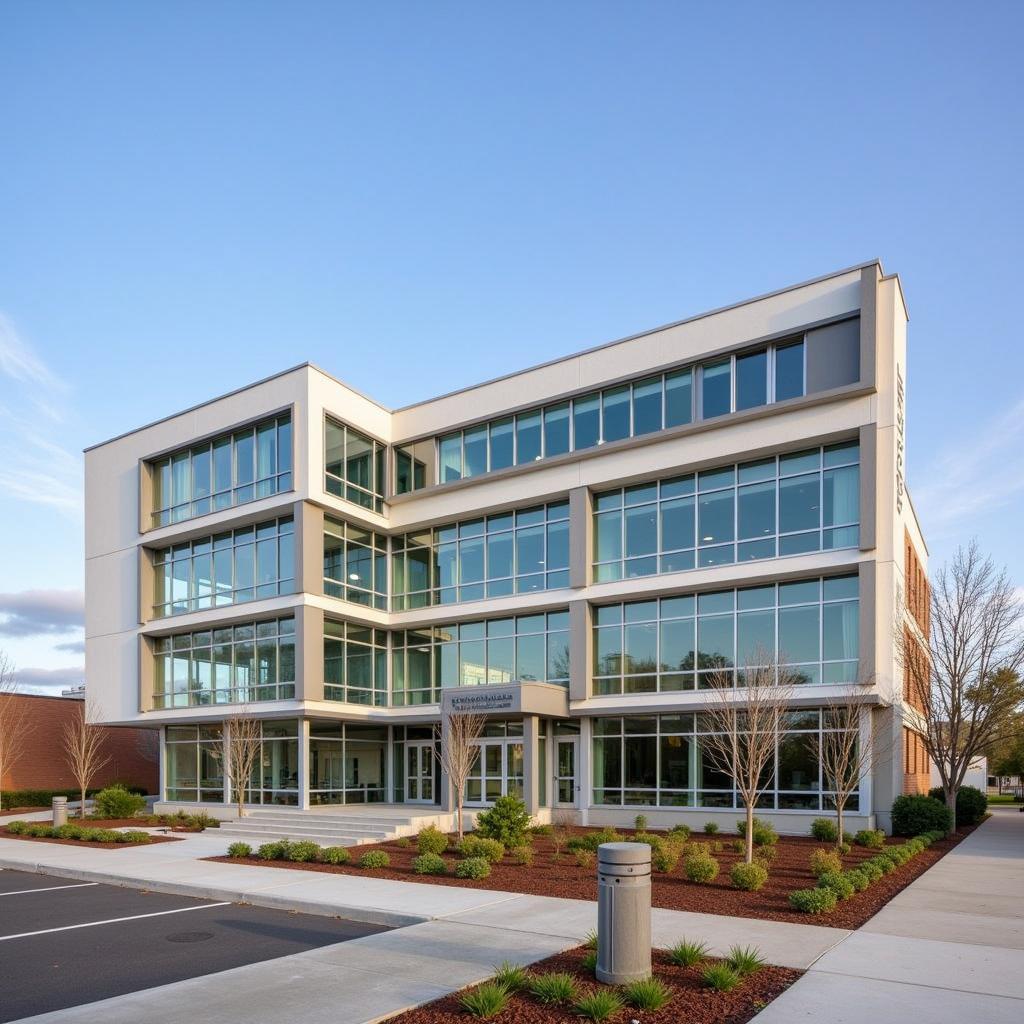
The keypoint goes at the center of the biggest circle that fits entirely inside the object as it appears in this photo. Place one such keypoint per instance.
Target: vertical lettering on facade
(900, 436)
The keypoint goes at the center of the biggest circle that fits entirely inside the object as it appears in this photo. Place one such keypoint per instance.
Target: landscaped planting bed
(549, 868)
(688, 996)
(80, 834)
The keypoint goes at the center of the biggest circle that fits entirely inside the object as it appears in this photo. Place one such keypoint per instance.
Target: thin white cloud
(49, 680)
(35, 469)
(19, 362)
(72, 647)
(41, 612)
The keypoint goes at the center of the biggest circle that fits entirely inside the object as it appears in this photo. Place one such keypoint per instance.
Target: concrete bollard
(623, 912)
(60, 811)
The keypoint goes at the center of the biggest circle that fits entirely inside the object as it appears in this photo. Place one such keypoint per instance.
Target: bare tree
(962, 679)
(743, 724)
(83, 744)
(239, 754)
(15, 722)
(456, 752)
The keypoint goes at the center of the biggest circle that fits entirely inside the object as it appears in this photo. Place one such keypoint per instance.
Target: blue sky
(195, 195)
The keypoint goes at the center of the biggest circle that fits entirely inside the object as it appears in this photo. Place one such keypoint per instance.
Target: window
(275, 778)
(347, 763)
(246, 564)
(253, 661)
(789, 371)
(193, 763)
(355, 664)
(716, 389)
(782, 505)
(751, 380)
(659, 761)
(354, 466)
(414, 467)
(507, 553)
(251, 463)
(688, 641)
(524, 647)
(355, 564)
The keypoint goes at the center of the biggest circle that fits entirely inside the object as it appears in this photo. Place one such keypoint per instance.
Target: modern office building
(572, 549)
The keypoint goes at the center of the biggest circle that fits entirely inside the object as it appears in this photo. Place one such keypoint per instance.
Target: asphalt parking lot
(64, 942)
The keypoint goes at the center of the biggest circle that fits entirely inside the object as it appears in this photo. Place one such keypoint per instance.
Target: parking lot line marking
(50, 888)
(111, 920)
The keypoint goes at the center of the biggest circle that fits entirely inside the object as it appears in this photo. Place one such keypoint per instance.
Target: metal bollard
(623, 912)
(60, 811)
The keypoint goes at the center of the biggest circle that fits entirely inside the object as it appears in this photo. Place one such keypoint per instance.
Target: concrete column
(146, 674)
(584, 769)
(309, 548)
(531, 763)
(146, 581)
(304, 764)
(145, 496)
(229, 796)
(162, 768)
(868, 324)
(867, 588)
(309, 653)
(447, 792)
(581, 525)
(868, 486)
(580, 650)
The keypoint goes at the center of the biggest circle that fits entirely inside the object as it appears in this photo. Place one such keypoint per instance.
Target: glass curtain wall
(784, 505)
(355, 564)
(275, 777)
(355, 664)
(193, 767)
(497, 768)
(347, 763)
(355, 465)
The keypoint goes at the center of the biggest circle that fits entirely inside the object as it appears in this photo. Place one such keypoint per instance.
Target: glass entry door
(566, 760)
(419, 771)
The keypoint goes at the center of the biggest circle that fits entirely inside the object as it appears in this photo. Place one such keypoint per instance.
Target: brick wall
(916, 766)
(919, 595)
(133, 753)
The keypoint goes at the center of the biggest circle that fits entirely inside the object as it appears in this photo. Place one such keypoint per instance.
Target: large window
(355, 564)
(355, 664)
(275, 776)
(347, 763)
(527, 647)
(783, 505)
(659, 760)
(355, 465)
(193, 764)
(507, 553)
(688, 641)
(254, 661)
(251, 463)
(246, 564)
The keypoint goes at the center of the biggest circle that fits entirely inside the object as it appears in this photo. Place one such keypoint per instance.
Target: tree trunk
(839, 824)
(750, 833)
(81, 809)
(458, 815)
(951, 795)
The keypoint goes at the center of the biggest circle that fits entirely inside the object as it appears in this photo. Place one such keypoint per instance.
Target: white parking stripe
(111, 920)
(49, 888)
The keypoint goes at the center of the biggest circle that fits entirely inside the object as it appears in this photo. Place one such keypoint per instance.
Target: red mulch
(4, 834)
(692, 1001)
(564, 878)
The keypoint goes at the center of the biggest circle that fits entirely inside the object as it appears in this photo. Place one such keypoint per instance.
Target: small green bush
(680, 832)
(870, 838)
(720, 977)
(584, 858)
(431, 840)
(521, 855)
(542, 830)
(744, 960)
(335, 855)
(473, 867)
(924, 839)
(750, 877)
(971, 804)
(135, 836)
(765, 854)
(17, 828)
(824, 830)
(711, 828)
(665, 858)
(653, 841)
(511, 977)
(403, 842)
(485, 1001)
(239, 850)
(640, 823)
(598, 1005)
(592, 840)
(647, 994)
(858, 878)
(825, 860)
(507, 821)
(688, 954)
(871, 870)
(553, 988)
(303, 852)
(701, 867)
(764, 833)
(117, 802)
(274, 850)
(883, 864)
(373, 859)
(844, 848)
(429, 864)
(478, 846)
(912, 815)
(813, 901)
(838, 883)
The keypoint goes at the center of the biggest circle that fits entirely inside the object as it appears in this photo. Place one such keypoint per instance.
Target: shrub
(924, 839)
(824, 830)
(870, 870)
(825, 860)
(117, 802)
(711, 828)
(485, 1001)
(375, 859)
(653, 841)
(844, 848)
(239, 850)
(473, 867)
(304, 851)
(765, 854)
(68, 831)
(971, 804)
(720, 977)
(403, 842)
(507, 821)
(870, 838)
(431, 840)
(44, 797)
(744, 960)
(542, 830)
(592, 840)
(935, 835)
(584, 858)
(589, 961)
(429, 864)
(599, 1005)
(680, 832)
(740, 846)
(335, 855)
(915, 845)
(701, 867)
(521, 855)
(511, 977)
(553, 989)
(718, 847)
(858, 878)
(665, 858)
(477, 846)
(133, 835)
(750, 877)
(647, 994)
(883, 864)
(276, 850)
(764, 834)
(912, 815)
(688, 954)
(813, 901)
(838, 883)
(640, 823)
(17, 828)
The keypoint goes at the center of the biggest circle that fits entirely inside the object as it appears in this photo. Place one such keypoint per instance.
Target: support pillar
(304, 764)
(531, 763)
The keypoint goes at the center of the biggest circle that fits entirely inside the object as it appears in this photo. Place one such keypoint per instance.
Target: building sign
(901, 436)
(482, 700)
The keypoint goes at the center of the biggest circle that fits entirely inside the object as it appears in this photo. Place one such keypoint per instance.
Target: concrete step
(357, 820)
(272, 834)
(247, 825)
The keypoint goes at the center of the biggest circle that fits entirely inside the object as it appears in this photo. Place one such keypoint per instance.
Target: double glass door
(497, 771)
(419, 771)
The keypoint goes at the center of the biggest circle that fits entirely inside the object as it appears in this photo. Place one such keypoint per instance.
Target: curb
(361, 915)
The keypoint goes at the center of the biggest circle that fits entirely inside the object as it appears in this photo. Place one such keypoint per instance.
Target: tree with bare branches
(83, 744)
(15, 722)
(239, 755)
(743, 722)
(963, 678)
(457, 750)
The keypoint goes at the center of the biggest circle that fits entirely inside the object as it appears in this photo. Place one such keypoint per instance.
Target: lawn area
(1003, 798)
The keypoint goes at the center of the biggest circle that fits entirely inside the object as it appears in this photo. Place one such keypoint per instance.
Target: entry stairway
(341, 826)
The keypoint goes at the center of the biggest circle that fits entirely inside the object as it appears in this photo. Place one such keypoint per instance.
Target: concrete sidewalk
(949, 949)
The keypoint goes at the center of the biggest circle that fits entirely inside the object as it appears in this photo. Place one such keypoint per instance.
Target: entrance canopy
(503, 699)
